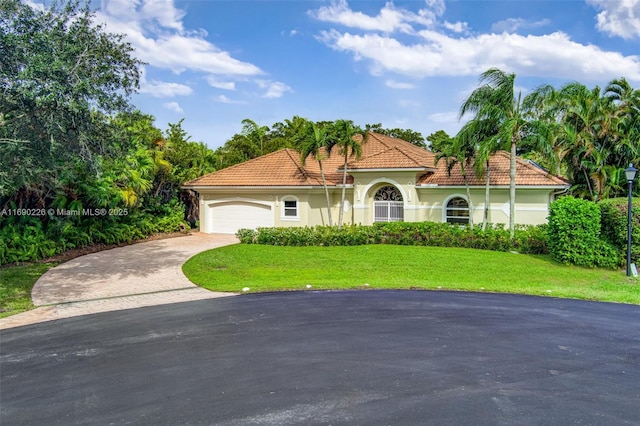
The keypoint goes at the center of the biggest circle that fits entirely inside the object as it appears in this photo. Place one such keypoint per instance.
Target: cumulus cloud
(618, 18)
(434, 48)
(439, 54)
(156, 31)
(274, 89)
(390, 19)
(173, 106)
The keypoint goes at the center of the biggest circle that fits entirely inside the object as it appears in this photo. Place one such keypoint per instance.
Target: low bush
(529, 239)
(613, 225)
(574, 234)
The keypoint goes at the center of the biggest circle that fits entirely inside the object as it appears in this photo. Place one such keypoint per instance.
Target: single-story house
(393, 180)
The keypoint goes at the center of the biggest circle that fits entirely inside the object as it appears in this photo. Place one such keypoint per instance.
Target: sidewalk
(139, 275)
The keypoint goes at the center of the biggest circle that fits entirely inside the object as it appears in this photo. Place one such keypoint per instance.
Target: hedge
(528, 239)
(574, 235)
(613, 225)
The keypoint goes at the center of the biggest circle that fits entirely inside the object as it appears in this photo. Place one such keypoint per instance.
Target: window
(388, 205)
(290, 209)
(457, 211)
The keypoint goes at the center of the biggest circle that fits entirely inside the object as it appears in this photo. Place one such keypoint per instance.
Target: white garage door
(227, 218)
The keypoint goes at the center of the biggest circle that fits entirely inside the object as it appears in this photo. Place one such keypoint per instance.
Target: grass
(16, 283)
(269, 268)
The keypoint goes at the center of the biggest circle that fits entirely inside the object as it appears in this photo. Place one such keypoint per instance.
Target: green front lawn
(15, 287)
(270, 268)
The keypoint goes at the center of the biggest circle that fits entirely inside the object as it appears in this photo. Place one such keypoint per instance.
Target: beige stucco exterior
(420, 203)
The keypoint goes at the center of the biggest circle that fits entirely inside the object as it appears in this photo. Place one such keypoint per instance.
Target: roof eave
(393, 169)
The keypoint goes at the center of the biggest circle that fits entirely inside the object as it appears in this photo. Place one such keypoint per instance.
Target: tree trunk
(466, 184)
(512, 191)
(485, 216)
(326, 193)
(344, 185)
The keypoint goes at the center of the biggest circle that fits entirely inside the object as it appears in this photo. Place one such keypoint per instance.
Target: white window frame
(394, 210)
(284, 208)
(445, 210)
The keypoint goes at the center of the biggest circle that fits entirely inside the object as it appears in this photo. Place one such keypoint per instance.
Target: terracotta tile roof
(280, 168)
(526, 174)
(384, 152)
(284, 168)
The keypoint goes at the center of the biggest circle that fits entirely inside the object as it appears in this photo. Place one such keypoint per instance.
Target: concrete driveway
(144, 274)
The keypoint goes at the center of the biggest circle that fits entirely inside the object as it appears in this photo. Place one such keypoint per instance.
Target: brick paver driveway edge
(139, 275)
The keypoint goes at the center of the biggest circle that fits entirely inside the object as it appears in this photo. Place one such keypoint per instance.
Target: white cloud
(398, 85)
(457, 27)
(173, 106)
(225, 85)
(156, 31)
(390, 18)
(437, 54)
(618, 18)
(512, 25)
(226, 100)
(162, 89)
(275, 89)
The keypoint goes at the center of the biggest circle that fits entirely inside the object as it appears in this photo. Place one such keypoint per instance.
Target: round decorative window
(388, 193)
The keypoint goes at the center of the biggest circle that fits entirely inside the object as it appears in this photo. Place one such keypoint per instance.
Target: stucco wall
(420, 203)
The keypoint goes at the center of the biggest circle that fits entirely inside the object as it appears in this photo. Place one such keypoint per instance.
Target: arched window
(388, 205)
(457, 211)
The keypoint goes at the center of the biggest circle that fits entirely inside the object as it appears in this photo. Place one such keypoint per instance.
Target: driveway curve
(138, 275)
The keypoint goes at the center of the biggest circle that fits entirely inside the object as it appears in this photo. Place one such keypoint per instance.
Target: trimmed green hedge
(613, 225)
(574, 235)
(528, 239)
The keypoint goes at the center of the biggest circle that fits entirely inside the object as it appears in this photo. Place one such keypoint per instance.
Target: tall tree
(348, 138)
(498, 112)
(60, 76)
(256, 133)
(316, 143)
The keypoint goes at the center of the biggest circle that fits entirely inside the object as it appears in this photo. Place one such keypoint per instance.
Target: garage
(227, 218)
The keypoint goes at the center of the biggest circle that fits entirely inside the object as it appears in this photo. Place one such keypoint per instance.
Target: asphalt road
(330, 358)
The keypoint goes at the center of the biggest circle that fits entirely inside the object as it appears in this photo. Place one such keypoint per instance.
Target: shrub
(574, 234)
(530, 239)
(613, 225)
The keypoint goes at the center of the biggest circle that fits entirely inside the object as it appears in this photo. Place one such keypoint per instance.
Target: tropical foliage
(77, 165)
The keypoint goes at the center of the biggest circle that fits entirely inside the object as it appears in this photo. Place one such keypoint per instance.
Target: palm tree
(316, 143)
(471, 136)
(498, 114)
(345, 137)
(255, 133)
(457, 151)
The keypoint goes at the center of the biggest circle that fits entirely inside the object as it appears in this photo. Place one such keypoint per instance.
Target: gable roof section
(385, 152)
(526, 174)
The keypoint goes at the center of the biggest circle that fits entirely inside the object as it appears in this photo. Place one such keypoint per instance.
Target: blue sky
(406, 64)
